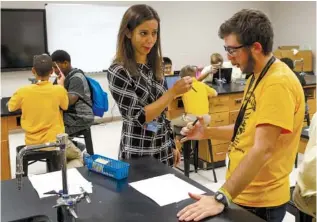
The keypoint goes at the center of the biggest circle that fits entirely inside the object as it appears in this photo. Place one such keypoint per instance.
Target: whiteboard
(87, 32)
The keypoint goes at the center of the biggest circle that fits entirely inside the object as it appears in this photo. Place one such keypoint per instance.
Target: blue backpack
(99, 97)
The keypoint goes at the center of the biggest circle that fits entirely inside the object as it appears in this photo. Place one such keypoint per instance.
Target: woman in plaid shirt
(136, 84)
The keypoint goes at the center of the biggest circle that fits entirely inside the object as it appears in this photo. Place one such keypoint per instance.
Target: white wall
(295, 24)
(189, 31)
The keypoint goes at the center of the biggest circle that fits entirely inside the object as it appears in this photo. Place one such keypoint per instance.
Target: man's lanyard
(243, 108)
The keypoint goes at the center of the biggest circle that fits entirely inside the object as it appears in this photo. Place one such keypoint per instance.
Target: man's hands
(197, 132)
(206, 206)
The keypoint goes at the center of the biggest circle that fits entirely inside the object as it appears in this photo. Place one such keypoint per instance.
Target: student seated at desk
(217, 62)
(42, 104)
(196, 101)
(167, 63)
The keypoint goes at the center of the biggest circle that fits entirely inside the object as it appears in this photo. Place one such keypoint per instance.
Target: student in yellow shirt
(196, 101)
(42, 104)
(265, 137)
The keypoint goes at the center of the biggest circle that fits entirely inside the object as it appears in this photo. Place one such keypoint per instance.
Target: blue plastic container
(113, 168)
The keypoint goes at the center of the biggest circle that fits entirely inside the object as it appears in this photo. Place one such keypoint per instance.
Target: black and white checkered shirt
(132, 94)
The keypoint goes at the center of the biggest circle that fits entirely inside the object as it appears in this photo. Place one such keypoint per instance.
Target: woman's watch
(222, 198)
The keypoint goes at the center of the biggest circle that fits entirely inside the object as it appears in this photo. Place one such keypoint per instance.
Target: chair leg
(186, 154)
(88, 142)
(212, 161)
(48, 165)
(195, 155)
(56, 162)
(25, 167)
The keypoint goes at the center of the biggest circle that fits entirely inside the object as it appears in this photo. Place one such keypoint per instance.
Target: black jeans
(270, 214)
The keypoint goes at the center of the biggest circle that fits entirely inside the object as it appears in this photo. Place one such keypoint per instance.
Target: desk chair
(51, 158)
(86, 135)
(187, 147)
(193, 145)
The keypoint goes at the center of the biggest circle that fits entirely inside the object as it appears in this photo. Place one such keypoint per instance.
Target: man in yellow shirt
(265, 137)
(42, 104)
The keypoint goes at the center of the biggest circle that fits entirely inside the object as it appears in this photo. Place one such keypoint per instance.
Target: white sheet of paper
(165, 189)
(53, 181)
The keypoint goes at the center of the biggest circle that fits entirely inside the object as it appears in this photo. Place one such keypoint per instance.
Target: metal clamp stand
(66, 205)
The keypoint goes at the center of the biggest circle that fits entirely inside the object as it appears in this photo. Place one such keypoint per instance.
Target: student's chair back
(51, 157)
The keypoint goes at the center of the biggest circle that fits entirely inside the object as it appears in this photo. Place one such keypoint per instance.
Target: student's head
(42, 66)
(62, 59)
(216, 59)
(139, 40)
(167, 62)
(248, 37)
(188, 71)
(289, 62)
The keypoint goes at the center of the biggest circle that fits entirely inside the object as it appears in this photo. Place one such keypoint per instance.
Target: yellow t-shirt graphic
(277, 100)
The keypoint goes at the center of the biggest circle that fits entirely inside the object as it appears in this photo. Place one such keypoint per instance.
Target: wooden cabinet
(311, 106)
(5, 153)
(219, 151)
(302, 145)
(219, 104)
(233, 116)
(235, 101)
(14, 122)
(219, 119)
(310, 92)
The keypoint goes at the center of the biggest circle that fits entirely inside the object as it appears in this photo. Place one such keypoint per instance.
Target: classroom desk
(111, 201)
(9, 121)
(224, 110)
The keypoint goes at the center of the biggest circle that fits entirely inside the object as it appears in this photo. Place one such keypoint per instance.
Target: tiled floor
(106, 138)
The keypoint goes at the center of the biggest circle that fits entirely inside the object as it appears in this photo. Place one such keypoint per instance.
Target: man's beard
(249, 69)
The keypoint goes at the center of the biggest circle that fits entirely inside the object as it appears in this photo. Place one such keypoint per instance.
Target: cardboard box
(287, 47)
(306, 55)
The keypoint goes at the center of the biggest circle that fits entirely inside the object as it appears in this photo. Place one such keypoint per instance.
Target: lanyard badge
(152, 126)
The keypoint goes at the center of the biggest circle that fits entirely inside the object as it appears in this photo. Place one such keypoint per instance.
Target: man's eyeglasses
(231, 50)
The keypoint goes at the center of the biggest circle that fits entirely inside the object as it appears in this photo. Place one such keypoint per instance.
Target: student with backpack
(79, 115)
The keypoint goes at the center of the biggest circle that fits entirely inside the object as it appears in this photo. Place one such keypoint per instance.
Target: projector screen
(87, 32)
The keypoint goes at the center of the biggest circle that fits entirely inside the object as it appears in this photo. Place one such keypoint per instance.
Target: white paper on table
(165, 189)
(53, 181)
